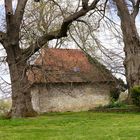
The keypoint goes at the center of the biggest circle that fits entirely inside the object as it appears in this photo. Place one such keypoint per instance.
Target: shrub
(4, 106)
(115, 104)
(135, 95)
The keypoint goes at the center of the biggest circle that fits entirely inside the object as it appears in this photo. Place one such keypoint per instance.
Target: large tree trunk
(21, 98)
(132, 58)
(132, 52)
(131, 44)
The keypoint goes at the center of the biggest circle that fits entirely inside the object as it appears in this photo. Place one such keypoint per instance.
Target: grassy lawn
(73, 126)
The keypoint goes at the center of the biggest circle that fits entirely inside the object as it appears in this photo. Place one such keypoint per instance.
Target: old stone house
(66, 80)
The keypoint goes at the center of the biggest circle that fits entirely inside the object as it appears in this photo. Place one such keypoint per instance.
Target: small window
(76, 69)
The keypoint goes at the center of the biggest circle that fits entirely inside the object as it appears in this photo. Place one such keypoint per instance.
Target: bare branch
(8, 13)
(85, 4)
(58, 6)
(123, 11)
(62, 32)
(136, 9)
(36, 0)
(133, 2)
(8, 7)
(20, 11)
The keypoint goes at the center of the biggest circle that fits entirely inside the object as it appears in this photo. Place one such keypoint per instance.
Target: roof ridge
(63, 49)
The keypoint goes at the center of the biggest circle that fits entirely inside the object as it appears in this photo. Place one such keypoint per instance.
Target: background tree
(98, 40)
(128, 11)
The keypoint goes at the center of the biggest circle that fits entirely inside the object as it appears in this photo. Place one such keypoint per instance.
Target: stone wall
(69, 97)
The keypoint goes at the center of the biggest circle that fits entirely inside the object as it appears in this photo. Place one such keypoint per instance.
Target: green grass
(73, 126)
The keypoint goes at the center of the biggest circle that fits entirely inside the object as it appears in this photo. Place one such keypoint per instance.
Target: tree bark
(21, 97)
(132, 61)
(132, 57)
(131, 44)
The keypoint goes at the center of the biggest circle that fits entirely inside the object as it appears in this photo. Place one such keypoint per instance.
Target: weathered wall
(67, 97)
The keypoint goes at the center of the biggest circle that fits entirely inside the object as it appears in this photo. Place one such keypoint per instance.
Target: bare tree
(17, 57)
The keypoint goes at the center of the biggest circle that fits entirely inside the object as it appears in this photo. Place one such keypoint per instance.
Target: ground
(73, 126)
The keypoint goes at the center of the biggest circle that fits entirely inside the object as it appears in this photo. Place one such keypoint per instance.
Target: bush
(112, 104)
(135, 95)
(4, 106)
(115, 104)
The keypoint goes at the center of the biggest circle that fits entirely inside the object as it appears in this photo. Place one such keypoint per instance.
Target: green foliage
(115, 104)
(4, 106)
(135, 95)
(73, 126)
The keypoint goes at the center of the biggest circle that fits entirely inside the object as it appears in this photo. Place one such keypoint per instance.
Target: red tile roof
(65, 65)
